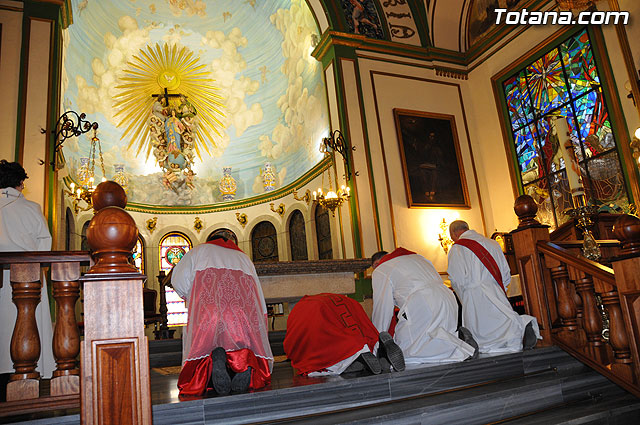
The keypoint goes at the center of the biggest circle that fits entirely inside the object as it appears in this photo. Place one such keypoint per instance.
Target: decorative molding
(450, 73)
(198, 225)
(151, 224)
(242, 218)
(280, 210)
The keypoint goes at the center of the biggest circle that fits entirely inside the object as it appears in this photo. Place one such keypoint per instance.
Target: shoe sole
(219, 374)
(469, 339)
(241, 381)
(372, 362)
(393, 351)
(530, 338)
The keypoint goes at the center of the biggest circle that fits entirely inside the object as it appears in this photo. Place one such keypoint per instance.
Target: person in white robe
(227, 322)
(428, 313)
(22, 228)
(486, 311)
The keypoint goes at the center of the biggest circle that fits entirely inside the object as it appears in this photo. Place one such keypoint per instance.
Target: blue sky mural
(255, 55)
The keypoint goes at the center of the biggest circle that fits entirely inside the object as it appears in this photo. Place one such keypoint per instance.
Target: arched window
(226, 233)
(70, 229)
(172, 247)
(84, 245)
(323, 233)
(138, 255)
(565, 82)
(298, 237)
(264, 243)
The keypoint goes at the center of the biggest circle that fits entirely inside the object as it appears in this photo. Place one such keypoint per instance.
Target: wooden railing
(590, 310)
(25, 280)
(110, 378)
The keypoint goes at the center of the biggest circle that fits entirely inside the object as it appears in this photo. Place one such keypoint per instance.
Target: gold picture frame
(431, 161)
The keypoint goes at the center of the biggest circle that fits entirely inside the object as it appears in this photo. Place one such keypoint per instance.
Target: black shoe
(219, 375)
(354, 367)
(240, 382)
(530, 339)
(371, 362)
(385, 365)
(465, 335)
(389, 349)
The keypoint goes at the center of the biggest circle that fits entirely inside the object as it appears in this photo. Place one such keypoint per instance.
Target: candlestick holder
(583, 214)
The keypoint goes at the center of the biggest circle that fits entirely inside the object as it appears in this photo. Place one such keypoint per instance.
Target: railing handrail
(602, 243)
(43, 257)
(596, 270)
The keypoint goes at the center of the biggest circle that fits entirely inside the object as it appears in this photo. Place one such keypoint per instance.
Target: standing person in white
(22, 228)
(428, 315)
(480, 275)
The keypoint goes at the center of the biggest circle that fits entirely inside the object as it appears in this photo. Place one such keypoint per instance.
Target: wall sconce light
(198, 225)
(151, 224)
(306, 197)
(70, 124)
(86, 177)
(443, 236)
(336, 143)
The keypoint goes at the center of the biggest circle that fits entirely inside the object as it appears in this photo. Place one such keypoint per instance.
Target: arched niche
(323, 233)
(84, 244)
(172, 247)
(298, 236)
(69, 230)
(264, 242)
(138, 255)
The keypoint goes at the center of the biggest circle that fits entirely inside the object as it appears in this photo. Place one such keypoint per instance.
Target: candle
(566, 148)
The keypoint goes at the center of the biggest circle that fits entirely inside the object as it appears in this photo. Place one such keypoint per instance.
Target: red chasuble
(485, 257)
(325, 329)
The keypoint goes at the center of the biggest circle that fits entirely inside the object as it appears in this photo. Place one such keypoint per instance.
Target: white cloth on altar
(486, 311)
(23, 228)
(428, 316)
(229, 307)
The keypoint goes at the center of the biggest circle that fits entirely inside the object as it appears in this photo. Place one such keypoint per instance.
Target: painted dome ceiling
(251, 95)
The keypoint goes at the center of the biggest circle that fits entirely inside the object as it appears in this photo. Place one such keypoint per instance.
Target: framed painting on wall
(431, 160)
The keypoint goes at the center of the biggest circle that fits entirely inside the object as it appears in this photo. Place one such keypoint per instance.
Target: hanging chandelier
(86, 177)
(331, 199)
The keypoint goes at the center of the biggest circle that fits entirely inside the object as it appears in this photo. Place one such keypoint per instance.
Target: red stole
(225, 244)
(396, 253)
(485, 257)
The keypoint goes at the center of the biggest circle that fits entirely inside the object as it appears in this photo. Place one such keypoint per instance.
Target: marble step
(490, 403)
(617, 411)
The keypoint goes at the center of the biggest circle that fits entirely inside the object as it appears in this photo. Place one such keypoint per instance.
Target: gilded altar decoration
(198, 225)
(227, 185)
(268, 175)
(169, 106)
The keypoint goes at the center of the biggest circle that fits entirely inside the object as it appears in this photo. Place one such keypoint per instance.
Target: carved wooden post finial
(627, 230)
(526, 209)
(112, 233)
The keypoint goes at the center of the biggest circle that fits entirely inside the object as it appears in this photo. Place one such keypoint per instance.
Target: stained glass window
(138, 255)
(172, 247)
(563, 82)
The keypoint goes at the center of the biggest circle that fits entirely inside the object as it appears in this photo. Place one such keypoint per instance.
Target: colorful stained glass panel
(579, 64)
(595, 127)
(540, 194)
(605, 181)
(546, 83)
(172, 247)
(527, 152)
(518, 102)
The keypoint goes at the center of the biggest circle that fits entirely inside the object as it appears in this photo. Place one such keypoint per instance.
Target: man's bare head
(457, 228)
(375, 258)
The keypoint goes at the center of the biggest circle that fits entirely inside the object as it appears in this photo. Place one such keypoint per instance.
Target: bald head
(457, 228)
(375, 259)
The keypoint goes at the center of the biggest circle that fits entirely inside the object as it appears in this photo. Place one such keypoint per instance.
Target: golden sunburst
(178, 71)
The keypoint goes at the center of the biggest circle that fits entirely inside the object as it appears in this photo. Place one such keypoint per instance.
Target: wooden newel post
(627, 272)
(537, 289)
(115, 358)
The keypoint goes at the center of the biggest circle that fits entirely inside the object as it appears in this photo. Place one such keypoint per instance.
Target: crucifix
(167, 95)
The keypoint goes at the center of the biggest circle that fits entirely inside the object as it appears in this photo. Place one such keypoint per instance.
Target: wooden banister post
(537, 291)
(115, 354)
(627, 272)
(66, 338)
(25, 342)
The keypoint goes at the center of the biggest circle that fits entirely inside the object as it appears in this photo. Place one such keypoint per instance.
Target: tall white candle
(570, 163)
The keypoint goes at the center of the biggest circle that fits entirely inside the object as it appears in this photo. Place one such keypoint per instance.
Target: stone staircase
(542, 386)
